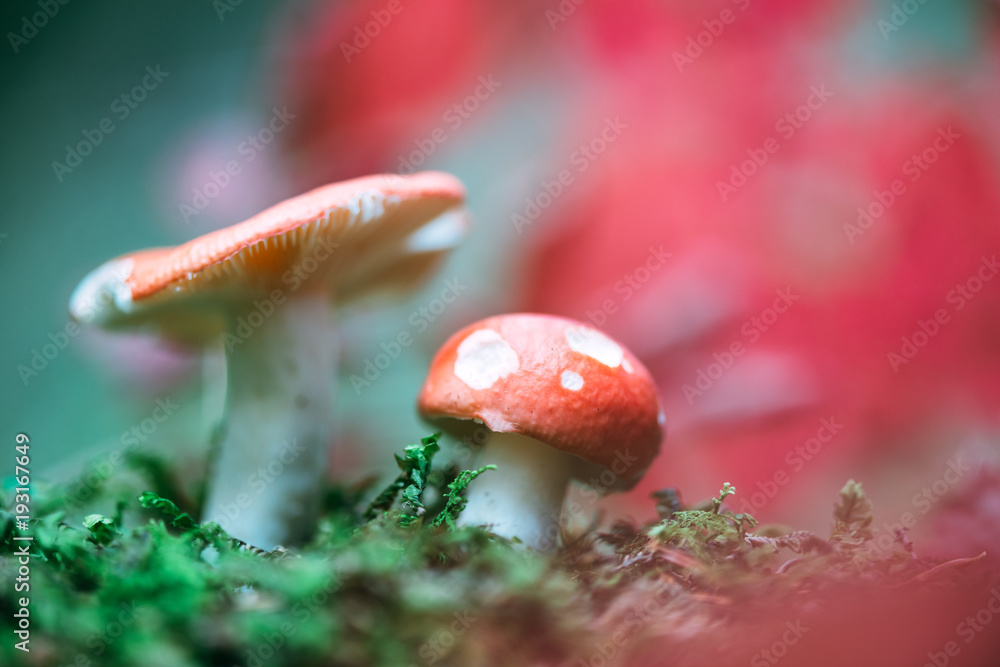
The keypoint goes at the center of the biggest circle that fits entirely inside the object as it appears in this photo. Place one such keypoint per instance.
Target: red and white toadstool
(268, 287)
(561, 400)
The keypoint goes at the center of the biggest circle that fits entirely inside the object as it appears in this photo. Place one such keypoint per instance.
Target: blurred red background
(789, 211)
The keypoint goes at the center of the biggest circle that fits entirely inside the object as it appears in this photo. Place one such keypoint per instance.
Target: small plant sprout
(562, 401)
(412, 481)
(695, 529)
(727, 490)
(268, 287)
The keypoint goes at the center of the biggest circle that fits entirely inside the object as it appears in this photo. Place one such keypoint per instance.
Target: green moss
(129, 577)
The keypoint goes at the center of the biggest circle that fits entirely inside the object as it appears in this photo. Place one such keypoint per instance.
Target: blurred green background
(59, 83)
(220, 61)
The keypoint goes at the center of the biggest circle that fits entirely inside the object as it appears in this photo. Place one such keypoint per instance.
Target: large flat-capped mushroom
(268, 287)
(561, 401)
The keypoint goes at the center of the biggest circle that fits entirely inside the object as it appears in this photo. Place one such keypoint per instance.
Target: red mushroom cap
(553, 379)
(380, 228)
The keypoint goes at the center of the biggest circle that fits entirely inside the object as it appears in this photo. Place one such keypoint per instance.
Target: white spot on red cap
(572, 381)
(594, 344)
(483, 358)
(627, 366)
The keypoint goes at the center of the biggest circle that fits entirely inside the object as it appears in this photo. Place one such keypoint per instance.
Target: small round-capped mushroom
(268, 286)
(561, 400)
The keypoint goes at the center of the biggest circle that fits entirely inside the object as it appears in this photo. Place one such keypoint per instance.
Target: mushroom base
(524, 496)
(267, 478)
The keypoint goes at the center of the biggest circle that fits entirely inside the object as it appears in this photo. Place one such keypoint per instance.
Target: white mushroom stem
(524, 496)
(267, 477)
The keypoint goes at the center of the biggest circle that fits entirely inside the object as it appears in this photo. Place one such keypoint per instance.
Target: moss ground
(122, 575)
